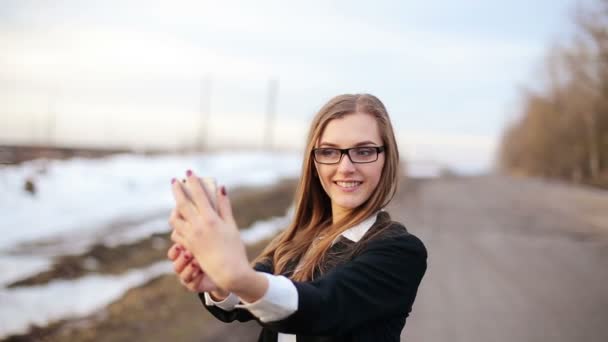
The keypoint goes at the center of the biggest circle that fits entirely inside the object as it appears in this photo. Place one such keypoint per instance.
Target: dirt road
(509, 260)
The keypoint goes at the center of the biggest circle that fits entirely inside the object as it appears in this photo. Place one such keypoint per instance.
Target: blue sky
(129, 72)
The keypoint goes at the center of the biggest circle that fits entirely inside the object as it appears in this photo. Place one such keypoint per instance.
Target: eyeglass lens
(357, 155)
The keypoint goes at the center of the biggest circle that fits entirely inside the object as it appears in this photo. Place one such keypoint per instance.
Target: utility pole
(51, 120)
(271, 105)
(205, 111)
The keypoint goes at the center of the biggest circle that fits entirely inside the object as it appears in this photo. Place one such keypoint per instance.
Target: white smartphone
(209, 186)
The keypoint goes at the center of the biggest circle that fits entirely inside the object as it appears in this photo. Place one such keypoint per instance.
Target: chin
(349, 204)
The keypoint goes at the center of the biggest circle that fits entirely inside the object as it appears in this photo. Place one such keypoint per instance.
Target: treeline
(563, 128)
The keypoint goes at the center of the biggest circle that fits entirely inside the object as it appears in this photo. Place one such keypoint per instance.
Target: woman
(342, 271)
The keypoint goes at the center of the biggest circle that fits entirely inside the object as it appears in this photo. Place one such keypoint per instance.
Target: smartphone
(209, 186)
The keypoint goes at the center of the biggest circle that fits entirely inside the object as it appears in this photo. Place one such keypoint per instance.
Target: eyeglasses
(357, 155)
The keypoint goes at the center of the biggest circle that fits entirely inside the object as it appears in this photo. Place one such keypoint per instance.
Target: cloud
(143, 58)
(237, 39)
(72, 54)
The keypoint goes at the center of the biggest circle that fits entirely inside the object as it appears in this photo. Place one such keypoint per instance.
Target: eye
(328, 152)
(365, 151)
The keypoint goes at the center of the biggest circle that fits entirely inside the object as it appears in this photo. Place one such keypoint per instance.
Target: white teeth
(348, 184)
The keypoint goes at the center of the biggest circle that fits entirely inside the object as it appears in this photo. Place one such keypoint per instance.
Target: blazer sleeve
(237, 314)
(381, 281)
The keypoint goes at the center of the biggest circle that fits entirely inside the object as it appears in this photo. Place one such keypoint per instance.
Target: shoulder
(395, 236)
(265, 266)
(391, 252)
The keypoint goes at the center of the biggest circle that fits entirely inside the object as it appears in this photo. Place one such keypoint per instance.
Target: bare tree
(563, 128)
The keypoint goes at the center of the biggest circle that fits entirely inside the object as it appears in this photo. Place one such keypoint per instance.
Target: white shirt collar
(355, 233)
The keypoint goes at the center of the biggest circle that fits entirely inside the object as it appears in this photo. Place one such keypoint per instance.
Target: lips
(348, 184)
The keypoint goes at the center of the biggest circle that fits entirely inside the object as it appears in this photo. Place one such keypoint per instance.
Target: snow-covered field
(62, 299)
(80, 197)
(80, 202)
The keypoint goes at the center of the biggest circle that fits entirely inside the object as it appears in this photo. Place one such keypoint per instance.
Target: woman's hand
(190, 274)
(212, 237)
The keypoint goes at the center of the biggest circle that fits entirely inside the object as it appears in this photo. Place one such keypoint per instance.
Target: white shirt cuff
(279, 301)
(227, 304)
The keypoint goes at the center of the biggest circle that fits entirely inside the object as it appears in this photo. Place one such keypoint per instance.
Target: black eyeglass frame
(343, 151)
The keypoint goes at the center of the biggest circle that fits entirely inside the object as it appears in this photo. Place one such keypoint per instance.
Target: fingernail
(179, 247)
(189, 173)
(187, 255)
(223, 190)
(194, 263)
(172, 180)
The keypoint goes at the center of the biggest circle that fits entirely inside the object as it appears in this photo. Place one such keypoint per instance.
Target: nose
(345, 165)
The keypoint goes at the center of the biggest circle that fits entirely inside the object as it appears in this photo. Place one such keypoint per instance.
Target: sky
(157, 74)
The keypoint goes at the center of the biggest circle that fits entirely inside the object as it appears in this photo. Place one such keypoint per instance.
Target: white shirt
(281, 297)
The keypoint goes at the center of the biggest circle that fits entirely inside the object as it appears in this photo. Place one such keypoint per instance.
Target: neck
(337, 214)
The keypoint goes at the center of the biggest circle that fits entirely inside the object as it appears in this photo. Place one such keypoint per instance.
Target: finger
(174, 251)
(192, 286)
(177, 237)
(181, 231)
(175, 217)
(193, 283)
(181, 262)
(189, 272)
(183, 205)
(176, 220)
(200, 285)
(224, 207)
(199, 196)
(175, 213)
(186, 285)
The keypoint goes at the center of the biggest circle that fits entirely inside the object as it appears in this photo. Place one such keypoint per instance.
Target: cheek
(374, 173)
(374, 180)
(373, 177)
(323, 176)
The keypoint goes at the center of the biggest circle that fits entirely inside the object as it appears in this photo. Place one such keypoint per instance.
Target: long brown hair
(313, 216)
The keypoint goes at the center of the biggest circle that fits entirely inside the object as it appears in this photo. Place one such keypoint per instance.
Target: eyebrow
(367, 142)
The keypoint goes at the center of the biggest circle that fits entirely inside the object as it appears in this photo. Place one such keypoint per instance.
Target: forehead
(350, 130)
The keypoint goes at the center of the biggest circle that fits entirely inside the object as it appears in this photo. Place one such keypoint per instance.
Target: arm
(225, 310)
(381, 281)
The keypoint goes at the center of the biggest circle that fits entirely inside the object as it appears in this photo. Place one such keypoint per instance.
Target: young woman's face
(349, 184)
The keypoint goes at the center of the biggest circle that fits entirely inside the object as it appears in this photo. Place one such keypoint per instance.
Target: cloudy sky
(131, 73)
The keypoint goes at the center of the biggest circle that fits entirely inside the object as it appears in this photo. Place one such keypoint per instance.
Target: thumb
(205, 284)
(224, 208)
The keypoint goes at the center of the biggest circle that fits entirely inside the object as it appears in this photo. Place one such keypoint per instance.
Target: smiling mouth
(348, 185)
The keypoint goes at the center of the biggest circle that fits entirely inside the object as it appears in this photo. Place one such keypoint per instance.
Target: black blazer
(366, 298)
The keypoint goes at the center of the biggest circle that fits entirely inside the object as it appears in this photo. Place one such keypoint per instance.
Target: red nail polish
(189, 173)
(223, 190)
(187, 255)
(172, 180)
